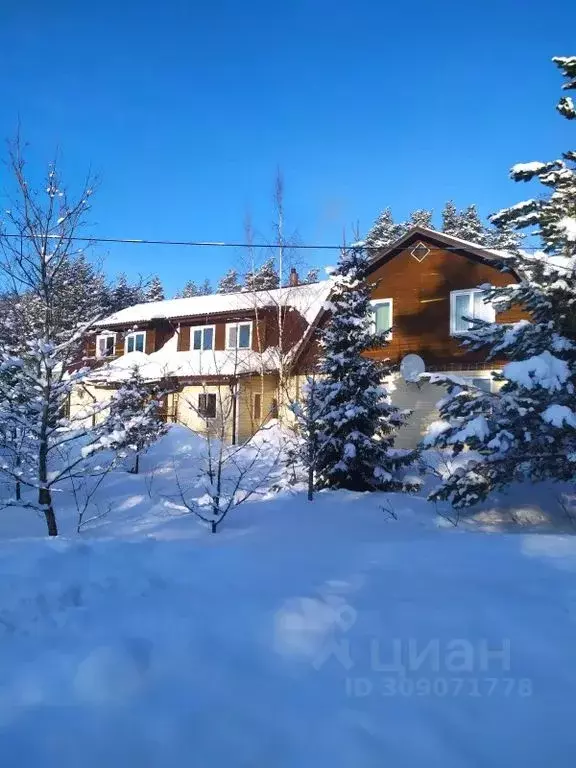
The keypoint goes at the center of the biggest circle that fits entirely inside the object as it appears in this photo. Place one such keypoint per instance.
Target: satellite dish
(411, 367)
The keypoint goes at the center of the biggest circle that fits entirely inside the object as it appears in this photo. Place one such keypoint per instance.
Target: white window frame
(237, 326)
(112, 334)
(470, 379)
(373, 303)
(193, 329)
(134, 333)
(491, 312)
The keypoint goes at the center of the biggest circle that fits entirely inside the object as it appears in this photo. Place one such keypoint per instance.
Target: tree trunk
(45, 498)
(136, 469)
(44, 493)
(18, 490)
(310, 483)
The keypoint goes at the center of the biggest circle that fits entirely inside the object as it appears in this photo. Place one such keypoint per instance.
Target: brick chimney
(293, 279)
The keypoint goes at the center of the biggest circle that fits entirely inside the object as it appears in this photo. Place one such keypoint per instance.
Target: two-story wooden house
(237, 359)
(223, 354)
(423, 286)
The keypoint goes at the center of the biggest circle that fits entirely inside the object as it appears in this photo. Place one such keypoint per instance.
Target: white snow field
(300, 635)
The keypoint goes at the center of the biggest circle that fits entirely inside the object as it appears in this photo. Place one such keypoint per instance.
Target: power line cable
(221, 244)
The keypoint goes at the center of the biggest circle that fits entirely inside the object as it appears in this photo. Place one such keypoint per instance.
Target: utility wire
(215, 244)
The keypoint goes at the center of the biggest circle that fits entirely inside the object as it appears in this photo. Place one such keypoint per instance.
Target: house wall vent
(420, 251)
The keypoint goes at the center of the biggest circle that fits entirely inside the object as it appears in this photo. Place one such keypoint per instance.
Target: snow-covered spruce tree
(134, 422)
(312, 275)
(123, 294)
(189, 290)
(528, 430)
(154, 290)
(357, 432)
(229, 283)
(420, 218)
(206, 288)
(45, 330)
(451, 220)
(264, 278)
(471, 227)
(384, 231)
(504, 238)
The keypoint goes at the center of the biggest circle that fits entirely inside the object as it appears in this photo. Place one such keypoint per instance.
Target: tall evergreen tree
(154, 290)
(229, 283)
(471, 226)
(206, 288)
(451, 220)
(123, 294)
(420, 218)
(358, 428)
(264, 278)
(189, 290)
(504, 238)
(528, 430)
(312, 276)
(384, 231)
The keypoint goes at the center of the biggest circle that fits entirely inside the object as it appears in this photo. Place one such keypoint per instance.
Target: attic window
(420, 251)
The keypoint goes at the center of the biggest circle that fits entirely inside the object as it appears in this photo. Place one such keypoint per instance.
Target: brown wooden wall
(264, 329)
(421, 303)
(420, 292)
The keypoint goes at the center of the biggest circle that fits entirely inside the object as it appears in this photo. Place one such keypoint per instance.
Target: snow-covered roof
(168, 362)
(307, 299)
(448, 240)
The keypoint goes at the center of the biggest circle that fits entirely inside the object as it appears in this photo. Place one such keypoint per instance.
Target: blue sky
(185, 109)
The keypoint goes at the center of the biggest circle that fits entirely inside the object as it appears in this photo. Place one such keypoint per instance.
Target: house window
(483, 383)
(239, 335)
(257, 406)
(105, 345)
(203, 338)
(381, 316)
(207, 405)
(135, 342)
(468, 304)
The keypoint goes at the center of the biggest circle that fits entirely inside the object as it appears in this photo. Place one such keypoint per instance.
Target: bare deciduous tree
(45, 325)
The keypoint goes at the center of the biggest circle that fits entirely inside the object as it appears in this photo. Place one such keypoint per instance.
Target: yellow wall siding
(421, 398)
(293, 393)
(188, 415)
(267, 388)
(82, 401)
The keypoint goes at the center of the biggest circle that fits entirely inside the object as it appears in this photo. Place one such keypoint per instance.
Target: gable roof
(307, 299)
(463, 247)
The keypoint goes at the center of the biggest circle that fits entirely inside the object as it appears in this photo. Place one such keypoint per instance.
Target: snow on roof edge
(307, 299)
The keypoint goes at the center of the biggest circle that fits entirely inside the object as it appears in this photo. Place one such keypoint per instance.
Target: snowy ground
(300, 635)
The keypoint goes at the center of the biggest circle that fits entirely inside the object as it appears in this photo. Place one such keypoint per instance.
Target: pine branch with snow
(526, 431)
